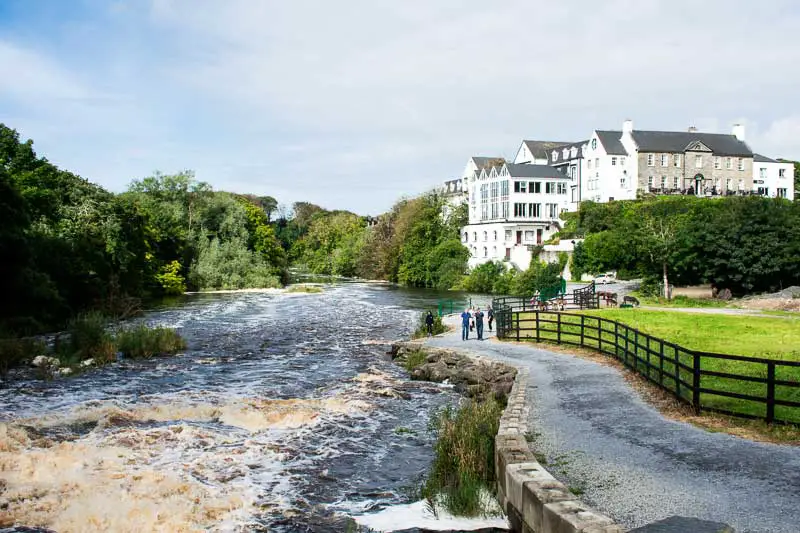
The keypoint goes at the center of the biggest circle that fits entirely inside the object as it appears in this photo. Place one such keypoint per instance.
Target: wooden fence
(734, 385)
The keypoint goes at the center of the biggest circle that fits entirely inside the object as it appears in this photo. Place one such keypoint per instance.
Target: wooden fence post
(518, 326)
(696, 383)
(538, 335)
(559, 327)
(770, 392)
(677, 372)
(582, 329)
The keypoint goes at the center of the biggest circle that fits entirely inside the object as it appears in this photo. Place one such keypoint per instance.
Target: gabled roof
(758, 158)
(677, 141)
(533, 171)
(560, 149)
(540, 149)
(610, 140)
(487, 162)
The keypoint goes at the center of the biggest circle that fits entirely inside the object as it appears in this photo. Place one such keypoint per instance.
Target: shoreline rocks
(474, 377)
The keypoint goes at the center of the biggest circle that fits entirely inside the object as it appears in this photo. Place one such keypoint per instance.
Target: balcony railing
(709, 192)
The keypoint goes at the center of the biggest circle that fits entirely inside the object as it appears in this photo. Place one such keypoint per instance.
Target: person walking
(490, 315)
(465, 320)
(479, 323)
(429, 323)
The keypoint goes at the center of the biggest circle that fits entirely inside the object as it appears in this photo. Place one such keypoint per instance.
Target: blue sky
(354, 104)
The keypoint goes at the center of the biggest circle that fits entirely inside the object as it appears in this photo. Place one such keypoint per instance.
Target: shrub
(422, 328)
(14, 352)
(170, 279)
(143, 342)
(463, 464)
(304, 288)
(88, 338)
(414, 359)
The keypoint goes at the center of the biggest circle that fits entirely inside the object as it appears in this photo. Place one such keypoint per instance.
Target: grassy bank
(764, 337)
(88, 341)
(462, 473)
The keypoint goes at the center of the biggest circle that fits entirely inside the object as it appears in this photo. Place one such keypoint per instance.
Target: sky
(356, 103)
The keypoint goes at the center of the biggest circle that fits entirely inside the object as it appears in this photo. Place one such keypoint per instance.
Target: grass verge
(463, 466)
(764, 337)
(682, 301)
(311, 289)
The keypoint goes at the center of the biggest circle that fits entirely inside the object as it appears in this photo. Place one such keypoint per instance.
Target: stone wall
(533, 499)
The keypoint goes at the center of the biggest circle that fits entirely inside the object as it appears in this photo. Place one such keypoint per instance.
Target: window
(622, 161)
(781, 172)
(622, 183)
(495, 210)
(495, 234)
(676, 183)
(663, 182)
(698, 161)
(485, 235)
(651, 160)
(520, 186)
(494, 251)
(573, 152)
(508, 234)
(535, 187)
(565, 153)
(535, 210)
(676, 160)
(762, 173)
(474, 236)
(664, 160)
(520, 210)
(741, 163)
(741, 184)
(550, 188)
(555, 155)
(589, 163)
(781, 192)
(717, 163)
(504, 190)
(504, 208)
(561, 188)
(763, 191)
(613, 161)
(466, 237)
(552, 211)
(485, 252)
(596, 162)
(728, 163)
(650, 182)
(529, 235)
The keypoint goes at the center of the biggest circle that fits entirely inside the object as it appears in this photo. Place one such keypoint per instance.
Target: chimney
(627, 126)
(738, 131)
(692, 129)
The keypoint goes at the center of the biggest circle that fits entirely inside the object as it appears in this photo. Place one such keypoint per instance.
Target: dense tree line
(68, 245)
(744, 244)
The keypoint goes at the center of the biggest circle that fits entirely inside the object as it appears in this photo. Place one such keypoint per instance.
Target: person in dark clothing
(429, 323)
(479, 323)
(465, 319)
(490, 315)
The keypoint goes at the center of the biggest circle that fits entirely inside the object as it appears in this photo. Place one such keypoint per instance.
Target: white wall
(773, 181)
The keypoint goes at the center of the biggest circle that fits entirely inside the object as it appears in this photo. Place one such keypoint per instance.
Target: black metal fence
(734, 385)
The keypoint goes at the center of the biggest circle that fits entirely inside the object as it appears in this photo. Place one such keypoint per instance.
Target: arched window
(475, 236)
(495, 234)
(485, 236)
(466, 237)
(485, 252)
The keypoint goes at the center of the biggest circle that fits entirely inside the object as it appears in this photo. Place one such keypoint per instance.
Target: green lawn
(765, 337)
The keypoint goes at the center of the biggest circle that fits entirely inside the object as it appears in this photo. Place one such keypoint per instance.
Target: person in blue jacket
(465, 318)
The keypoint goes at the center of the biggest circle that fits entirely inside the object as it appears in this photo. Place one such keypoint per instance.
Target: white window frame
(782, 173)
(664, 160)
(613, 161)
(728, 163)
(717, 163)
(676, 160)
(651, 160)
(698, 161)
(740, 164)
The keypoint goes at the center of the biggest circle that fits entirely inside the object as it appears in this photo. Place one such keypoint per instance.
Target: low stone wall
(534, 500)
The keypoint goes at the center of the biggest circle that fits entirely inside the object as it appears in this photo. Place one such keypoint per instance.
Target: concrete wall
(533, 499)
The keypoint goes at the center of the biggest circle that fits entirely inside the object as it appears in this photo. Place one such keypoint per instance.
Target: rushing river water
(280, 416)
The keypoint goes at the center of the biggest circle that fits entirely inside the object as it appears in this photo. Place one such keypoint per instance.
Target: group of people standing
(473, 319)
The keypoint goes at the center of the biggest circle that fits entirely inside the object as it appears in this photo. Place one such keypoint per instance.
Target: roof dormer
(555, 155)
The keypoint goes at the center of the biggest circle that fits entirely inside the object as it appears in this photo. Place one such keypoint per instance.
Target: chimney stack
(692, 129)
(627, 126)
(738, 131)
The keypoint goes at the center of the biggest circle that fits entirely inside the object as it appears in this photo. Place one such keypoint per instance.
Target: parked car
(608, 277)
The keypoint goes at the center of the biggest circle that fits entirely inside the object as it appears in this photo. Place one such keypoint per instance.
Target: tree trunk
(666, 282)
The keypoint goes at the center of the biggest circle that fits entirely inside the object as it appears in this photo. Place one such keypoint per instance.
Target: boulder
(43, 361)
(87, 362)
(67, 371)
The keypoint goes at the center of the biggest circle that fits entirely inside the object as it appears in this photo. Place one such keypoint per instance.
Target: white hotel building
(514, 206)
(511, 208)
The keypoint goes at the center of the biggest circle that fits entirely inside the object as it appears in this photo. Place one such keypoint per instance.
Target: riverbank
(594, 433)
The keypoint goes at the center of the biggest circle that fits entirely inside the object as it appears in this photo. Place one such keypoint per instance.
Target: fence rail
(734, 385)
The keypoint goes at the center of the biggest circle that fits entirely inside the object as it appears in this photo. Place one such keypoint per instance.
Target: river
(282, 415)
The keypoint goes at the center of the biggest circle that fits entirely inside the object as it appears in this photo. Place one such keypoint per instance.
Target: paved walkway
(636, 465)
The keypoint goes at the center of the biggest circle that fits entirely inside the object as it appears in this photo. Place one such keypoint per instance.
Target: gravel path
(638, 466)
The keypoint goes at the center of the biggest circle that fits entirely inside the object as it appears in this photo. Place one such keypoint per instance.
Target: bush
(463, 464)
(143, 342)
(414, 359)
(14, 352)
(171, 280)
(88, 338)
(422, 329)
